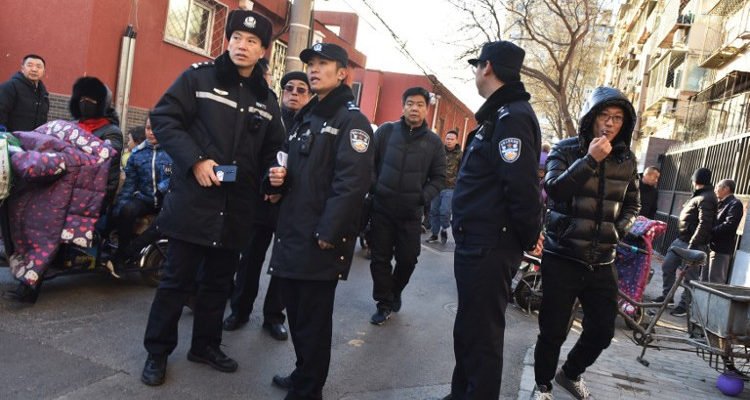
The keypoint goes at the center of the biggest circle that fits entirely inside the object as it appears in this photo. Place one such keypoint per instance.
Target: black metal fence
(727, 159)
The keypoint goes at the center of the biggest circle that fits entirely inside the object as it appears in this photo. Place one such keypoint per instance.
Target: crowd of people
(230, 173)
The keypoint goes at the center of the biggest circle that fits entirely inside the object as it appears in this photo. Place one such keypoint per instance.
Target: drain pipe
(125, 75)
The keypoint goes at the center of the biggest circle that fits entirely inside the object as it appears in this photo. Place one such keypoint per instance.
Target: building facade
(379, 96)
(139, 48)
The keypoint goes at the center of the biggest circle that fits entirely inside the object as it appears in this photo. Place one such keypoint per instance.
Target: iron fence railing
(727, 159)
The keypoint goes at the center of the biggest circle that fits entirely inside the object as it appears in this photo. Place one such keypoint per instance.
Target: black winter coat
(649, 198)
(329, 169)
(211, 112)
(23, 106)
(497, 195)
(697, 218)
(724, 232)
(591, 205)
(410, 169)
(112, 134)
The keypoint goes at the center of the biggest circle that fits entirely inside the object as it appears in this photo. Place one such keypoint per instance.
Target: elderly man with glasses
(296, 94)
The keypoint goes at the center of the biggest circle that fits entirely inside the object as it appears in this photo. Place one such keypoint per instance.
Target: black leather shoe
(214, 357)
(284, 382)
(277, 331)
(233, 322)
(155, 370)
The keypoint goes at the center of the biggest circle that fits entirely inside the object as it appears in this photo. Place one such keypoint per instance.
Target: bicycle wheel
(151, 268)
(528, 293)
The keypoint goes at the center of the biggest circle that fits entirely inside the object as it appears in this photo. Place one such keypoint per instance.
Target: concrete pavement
(618, 375)
(83, 340)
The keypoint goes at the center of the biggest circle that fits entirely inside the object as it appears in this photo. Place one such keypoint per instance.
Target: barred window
(197, 25)
(278, 61)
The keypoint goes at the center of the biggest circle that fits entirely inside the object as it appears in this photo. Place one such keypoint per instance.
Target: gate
(727, 159)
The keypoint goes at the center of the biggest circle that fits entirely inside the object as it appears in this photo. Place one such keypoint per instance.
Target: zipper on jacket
(599, 207)
(403, 158)
(153, 174)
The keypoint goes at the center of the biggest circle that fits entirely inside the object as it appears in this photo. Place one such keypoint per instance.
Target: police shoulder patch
(351, 106)
(359, 140)
(510, 149)
(503, 112)
(202, 64)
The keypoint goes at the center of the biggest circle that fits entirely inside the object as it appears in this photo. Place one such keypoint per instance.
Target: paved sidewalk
(618, 375)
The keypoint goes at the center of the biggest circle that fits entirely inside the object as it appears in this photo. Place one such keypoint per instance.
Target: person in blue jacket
(147, 175)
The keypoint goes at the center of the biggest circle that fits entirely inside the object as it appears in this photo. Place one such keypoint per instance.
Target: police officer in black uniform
(221, 124)
(496, 216)
(329, 168)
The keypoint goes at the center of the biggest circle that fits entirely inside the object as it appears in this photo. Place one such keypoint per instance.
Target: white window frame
(208, 5)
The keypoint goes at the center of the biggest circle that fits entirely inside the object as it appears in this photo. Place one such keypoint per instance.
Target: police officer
(221, 124)
(324, 184)
(496, 216)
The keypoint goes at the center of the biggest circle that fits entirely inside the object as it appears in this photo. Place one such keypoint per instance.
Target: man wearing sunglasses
(295, 96)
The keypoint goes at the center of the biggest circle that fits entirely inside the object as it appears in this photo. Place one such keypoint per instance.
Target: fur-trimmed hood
(92, 87)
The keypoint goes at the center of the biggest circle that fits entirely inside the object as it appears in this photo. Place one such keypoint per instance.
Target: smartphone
(226, 173)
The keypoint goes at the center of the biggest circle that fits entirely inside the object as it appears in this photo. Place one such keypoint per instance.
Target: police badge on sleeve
(359, 140)
(510, 149)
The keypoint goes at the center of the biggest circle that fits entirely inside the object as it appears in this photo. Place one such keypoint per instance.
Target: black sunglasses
(292, 88)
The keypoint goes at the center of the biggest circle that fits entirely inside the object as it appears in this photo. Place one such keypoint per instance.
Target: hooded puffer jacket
(591, 205)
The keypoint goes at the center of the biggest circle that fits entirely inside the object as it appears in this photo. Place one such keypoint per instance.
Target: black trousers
(392, 237)
(483, 278)
(125, 221)
(188, 265)
(564, 281)
(247, 280)
(309, 305)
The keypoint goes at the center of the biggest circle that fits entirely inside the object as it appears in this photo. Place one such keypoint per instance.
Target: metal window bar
(278, 55)
(197, 25)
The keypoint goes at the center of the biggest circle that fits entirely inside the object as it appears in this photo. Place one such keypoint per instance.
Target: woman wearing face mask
(91, 105)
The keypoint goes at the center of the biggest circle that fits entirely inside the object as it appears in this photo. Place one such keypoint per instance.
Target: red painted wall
(381, 100)
(83, 37)
(54, 29)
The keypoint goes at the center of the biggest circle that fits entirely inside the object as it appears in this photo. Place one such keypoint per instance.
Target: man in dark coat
(24, 101)
(221, 124)
(497, 214)
(649, 192)
(440, 207)
(410, 172)
(295, 96)
(724, 233)
(694, 232)
(324, 182)
(592, 200)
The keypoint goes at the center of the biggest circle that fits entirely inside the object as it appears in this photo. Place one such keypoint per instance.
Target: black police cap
(328, 51)
(249, 21)
(504, 56)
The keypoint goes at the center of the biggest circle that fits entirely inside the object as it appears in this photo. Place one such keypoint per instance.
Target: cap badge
(318, 47)
(250, 22)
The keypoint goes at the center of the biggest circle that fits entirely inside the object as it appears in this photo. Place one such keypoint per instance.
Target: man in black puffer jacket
(593, 199)
(410, 168)
(694, 232)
